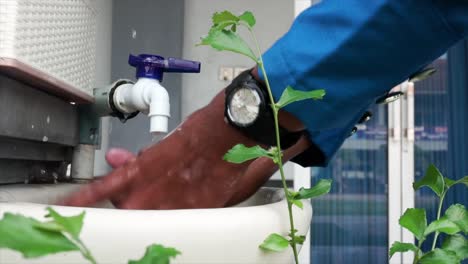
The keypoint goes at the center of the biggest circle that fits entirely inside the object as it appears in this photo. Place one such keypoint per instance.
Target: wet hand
(185, 170)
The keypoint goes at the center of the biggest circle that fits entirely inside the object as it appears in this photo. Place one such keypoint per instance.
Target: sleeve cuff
(325, 144)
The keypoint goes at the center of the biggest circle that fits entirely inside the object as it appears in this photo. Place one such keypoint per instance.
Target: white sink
(226, 235)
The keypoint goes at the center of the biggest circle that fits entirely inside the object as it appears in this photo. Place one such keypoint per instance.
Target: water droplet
(48, 119)
(45, 139)
(134, 34)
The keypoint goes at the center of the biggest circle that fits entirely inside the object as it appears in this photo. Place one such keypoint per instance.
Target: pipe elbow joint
(147, 96)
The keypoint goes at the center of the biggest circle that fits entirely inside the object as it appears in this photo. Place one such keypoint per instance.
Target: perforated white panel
(54, 36)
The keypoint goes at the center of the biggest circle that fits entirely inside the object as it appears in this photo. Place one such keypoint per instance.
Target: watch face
(244, 106)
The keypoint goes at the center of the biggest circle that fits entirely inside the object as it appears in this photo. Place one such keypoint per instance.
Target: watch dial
(244, 106)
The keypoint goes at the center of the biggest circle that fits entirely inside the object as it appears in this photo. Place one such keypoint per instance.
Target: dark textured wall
(145, 26)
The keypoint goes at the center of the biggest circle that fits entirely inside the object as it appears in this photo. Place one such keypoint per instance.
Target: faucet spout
(159, 109)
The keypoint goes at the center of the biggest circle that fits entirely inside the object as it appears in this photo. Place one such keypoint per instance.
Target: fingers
(117, 157)
(142, 199)
(256, 175)
(102, 189)
(105, 187)
(118, 200)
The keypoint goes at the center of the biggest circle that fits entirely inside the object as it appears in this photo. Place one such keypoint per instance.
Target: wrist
(209, 122)
(285, 119)
(208, 127)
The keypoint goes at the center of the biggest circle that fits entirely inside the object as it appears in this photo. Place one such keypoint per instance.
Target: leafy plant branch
(58, 234)
(454, 223)
(223, 36)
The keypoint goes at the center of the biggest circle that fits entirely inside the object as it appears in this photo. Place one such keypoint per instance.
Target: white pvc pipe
(83, 162)
(147, 96)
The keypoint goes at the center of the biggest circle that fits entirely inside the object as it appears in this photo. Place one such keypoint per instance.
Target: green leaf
(439, 256)
(290, 196)
(414, 219)
(464, 180)
(433, 179)
(248, 18)
(402, 247)
(457, 213)
(298, 203)
(19, 233)
(298, 239)
(275, 242)
(223, 20)
(421, 75)
(443, 225)
(275, 154)
(71, 224)
(321, 188)
(221, 39)
(156, 254)
(223, 17)
(449, 182)
(290, 96)
(50, 226)
(240, 153)
(457, 244)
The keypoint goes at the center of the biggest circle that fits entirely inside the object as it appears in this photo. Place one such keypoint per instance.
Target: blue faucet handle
(134, 60)
(148, 59)
(179, 65)
(153, 66)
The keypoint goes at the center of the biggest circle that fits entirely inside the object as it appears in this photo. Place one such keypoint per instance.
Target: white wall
(274, 18)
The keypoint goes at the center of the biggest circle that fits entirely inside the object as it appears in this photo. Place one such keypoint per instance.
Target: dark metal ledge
(27, 113)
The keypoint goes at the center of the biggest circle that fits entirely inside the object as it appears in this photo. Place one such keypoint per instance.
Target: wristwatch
(247, 108)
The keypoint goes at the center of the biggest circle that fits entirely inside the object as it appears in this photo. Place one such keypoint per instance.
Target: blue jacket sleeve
(357, 51)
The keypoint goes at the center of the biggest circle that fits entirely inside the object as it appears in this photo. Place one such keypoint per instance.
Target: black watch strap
(262, 129)
(313, 156)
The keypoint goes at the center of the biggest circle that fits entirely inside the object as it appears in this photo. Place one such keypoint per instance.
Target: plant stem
(85, 251)
(416, 254)
(278, 145)
(441, 201)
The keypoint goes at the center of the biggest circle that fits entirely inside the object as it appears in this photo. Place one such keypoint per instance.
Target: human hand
(185, 170)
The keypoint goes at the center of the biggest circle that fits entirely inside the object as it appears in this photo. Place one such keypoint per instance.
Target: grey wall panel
(145, 26)
(31, 114)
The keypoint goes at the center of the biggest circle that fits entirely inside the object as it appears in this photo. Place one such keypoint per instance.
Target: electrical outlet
(226, 73)
(239, 70)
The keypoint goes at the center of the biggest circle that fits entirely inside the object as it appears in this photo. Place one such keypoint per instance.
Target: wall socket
(228, 73)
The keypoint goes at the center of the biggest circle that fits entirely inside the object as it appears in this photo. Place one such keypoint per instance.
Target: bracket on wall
(89, 126)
